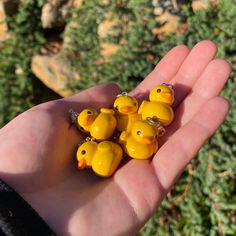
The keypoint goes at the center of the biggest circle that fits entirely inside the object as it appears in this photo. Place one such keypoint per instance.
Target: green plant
(132, 33)
(203, 201)
(17, 86)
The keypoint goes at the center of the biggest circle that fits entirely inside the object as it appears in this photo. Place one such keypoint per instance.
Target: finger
(94, 97)
(144, 184)
(213, 79)
(138, 181)
(193, 66)
(164, 71)
(182, 146)
(208, 86)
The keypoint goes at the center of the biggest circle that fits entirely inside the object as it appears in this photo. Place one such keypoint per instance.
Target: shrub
(18, 89)
(203, 201)
(132, 33)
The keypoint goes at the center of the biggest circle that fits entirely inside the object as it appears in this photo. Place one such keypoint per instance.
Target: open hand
(38, 148)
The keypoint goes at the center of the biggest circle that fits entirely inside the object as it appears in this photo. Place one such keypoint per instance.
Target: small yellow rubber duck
(101, 126)
(141, 142)
(104, 158)
(85, 119)
(126, 108)
(159, 108)
(104, 125)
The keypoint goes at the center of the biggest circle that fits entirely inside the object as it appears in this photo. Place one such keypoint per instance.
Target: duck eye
(158, 90)
(83, 152)
(117, 108)
(89, 112)
(81, 128)
(135, 104)
(139, 132)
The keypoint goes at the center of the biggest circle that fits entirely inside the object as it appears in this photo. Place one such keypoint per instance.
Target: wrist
(17, 216)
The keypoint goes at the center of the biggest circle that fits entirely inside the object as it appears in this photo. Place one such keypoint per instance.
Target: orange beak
(81, 164)
(88, 121)
(167, 96)
(126, 109)
(148, 140)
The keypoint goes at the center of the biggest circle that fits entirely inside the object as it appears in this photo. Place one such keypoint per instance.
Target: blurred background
(54, 48)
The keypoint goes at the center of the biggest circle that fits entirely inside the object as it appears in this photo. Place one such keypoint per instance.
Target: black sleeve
(17, 217)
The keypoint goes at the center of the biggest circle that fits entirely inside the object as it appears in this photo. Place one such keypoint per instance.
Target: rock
(50, 48)
(7, 8)
(171, 6)
(3, 24)
(55, 12)
(158, 11)
(54, 72)
(200, 4)
(104, 2)
(108, 49)
(168, 23)
(105, 29)
(77, 3)
(52, 14)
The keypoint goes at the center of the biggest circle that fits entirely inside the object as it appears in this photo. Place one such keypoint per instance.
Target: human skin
(38, 148)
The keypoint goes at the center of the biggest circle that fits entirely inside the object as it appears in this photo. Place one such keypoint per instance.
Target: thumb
(102, 95)
(95, 97)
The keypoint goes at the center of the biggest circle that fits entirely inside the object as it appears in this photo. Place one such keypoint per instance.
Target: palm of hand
(40, 145)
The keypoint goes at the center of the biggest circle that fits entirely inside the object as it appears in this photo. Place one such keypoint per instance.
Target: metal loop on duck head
(152, 121)
(168, 85)
(73, 115)
(160, 129)
(122, 94)
(87, 139)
